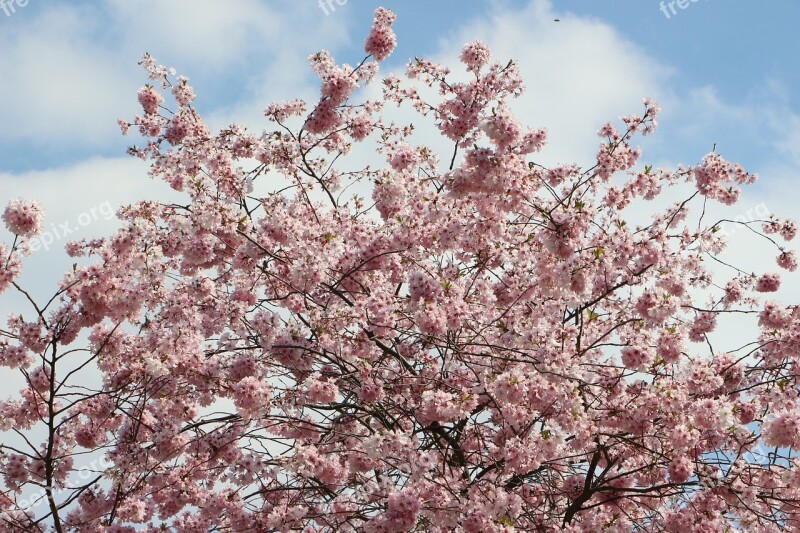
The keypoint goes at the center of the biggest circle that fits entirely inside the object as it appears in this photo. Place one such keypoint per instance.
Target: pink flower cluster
(23, 218)
(787, 229)
(635, 357)
(783, 430)
(320, 390)
(401, 515)
(488, 345)
(788, 260)
(475, 55)
(502, 129)
(768, 282)
(150, 99)
(680, 469)
(252, 396)
(381, 40)
(715, 178)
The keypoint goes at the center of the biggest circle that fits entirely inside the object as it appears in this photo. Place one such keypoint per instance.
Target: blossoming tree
(487, 345)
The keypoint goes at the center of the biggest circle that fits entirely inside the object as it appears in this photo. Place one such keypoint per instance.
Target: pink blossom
(670, 346)
(150, 99)
(9, 267)
(403, 510)
(705, 322)
(338, 85)
(574, 485)
(485, 344)
(360, 126)
(251, 396)
(768, 283)
(788, 230)
(23, 218)
(475, 55)
(371, 392)
(681, 438)
(324, 118)
(321, 390)
(381, 40)
(502, 128)
(733, 292)
(16, 471)
(788, 260)
(716, 177)
(775, 316)
(636, 357)
(533, 141)
(124, 126)
(783, 430)
(14, 356)
(423, 286)
(680, 469)
(177, 130)
(403, 157)
(439, 406)
(183, 92)
(281, 111)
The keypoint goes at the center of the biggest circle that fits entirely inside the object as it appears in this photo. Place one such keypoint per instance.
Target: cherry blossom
(23, 218)
(479, 343)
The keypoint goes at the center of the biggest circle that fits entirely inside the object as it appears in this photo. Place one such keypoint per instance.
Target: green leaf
(506, 521)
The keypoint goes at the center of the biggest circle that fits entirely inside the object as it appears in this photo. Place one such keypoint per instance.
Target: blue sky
(743, 51)
(725, 73)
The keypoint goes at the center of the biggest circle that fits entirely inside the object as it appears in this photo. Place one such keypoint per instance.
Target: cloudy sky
(724, 73)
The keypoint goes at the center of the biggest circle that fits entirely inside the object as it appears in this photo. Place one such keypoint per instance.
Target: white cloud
(69, 71)
(76, 201)
(56, 85)
(579, 72)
